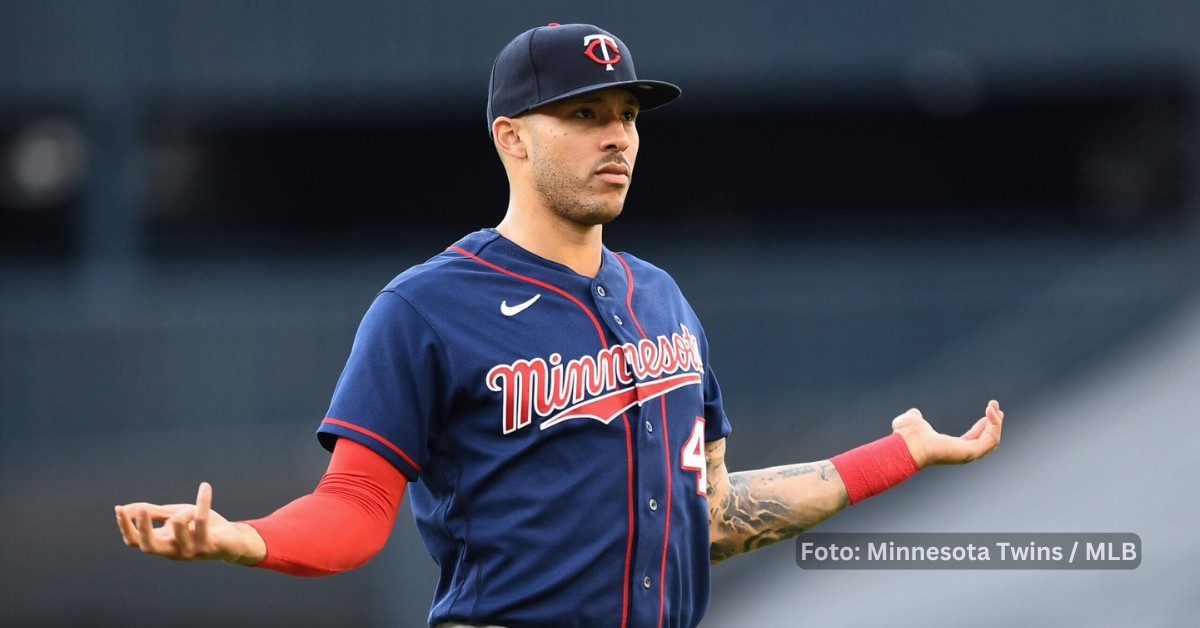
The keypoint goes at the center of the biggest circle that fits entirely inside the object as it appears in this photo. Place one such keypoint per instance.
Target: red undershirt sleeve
(340, 525)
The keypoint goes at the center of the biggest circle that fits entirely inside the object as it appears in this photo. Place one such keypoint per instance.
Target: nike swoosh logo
(513, 310)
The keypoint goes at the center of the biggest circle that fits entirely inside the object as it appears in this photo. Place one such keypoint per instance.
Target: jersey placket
(649, 501)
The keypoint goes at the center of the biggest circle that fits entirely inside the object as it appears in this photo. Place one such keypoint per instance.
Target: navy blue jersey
(553, 428)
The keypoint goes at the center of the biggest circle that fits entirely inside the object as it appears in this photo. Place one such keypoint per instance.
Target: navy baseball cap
(549, 63)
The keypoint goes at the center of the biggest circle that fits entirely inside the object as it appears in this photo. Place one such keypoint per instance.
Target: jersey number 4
(692, 457)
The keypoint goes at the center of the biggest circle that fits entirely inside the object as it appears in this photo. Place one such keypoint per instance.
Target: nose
(616, 136)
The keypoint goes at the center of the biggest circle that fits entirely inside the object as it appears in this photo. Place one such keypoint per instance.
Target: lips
(613, 173)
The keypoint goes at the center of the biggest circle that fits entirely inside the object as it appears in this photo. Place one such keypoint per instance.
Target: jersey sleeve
(393, 388)
(716, 423)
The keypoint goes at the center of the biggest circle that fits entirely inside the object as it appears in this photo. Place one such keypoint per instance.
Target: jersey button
(653, 504)
(600, 290)
(649, 426)
(618, 319)
(646, 582)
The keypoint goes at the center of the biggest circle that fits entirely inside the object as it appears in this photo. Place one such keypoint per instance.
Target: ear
(506, 134)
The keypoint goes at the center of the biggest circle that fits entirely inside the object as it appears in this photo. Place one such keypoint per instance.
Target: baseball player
(548, 403)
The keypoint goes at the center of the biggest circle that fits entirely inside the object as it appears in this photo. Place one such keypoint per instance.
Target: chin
(591, 216)
(604, 216)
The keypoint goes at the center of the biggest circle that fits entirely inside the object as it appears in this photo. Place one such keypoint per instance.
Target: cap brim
(650, 94)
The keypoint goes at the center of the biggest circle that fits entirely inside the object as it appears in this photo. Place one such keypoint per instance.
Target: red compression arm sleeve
(342, 523)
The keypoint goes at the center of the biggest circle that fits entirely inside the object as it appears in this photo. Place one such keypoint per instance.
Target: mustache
(614, 159)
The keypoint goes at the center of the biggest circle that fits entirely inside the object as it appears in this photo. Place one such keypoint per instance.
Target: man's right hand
(189, 531)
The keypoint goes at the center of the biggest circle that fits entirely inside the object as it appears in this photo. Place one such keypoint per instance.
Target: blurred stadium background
(873, 205)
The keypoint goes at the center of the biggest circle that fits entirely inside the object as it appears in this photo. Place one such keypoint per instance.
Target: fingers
(984, 436)
(989, 423)
(184, 530)
(172, 540)
(145, 528)
(976, 430)
(928, 446)
(995, 424)
(180, 522)
(129, 533)
(993, 419)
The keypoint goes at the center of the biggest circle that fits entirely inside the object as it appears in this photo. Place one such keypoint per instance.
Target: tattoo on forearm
(802, 469)
(758, 508)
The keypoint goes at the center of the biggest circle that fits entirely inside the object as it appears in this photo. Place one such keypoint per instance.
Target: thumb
(203, 509)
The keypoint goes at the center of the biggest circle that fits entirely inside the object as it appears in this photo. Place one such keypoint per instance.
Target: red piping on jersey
(364, 431)
(662, 573)
(557, 290)
(626, 579)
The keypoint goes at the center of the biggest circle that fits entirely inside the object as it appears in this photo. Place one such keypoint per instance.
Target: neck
(573, 245)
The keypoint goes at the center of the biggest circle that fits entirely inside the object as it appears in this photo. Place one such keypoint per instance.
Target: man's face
(581, 153)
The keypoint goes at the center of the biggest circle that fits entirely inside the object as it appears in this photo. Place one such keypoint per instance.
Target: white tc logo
(605, 44)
